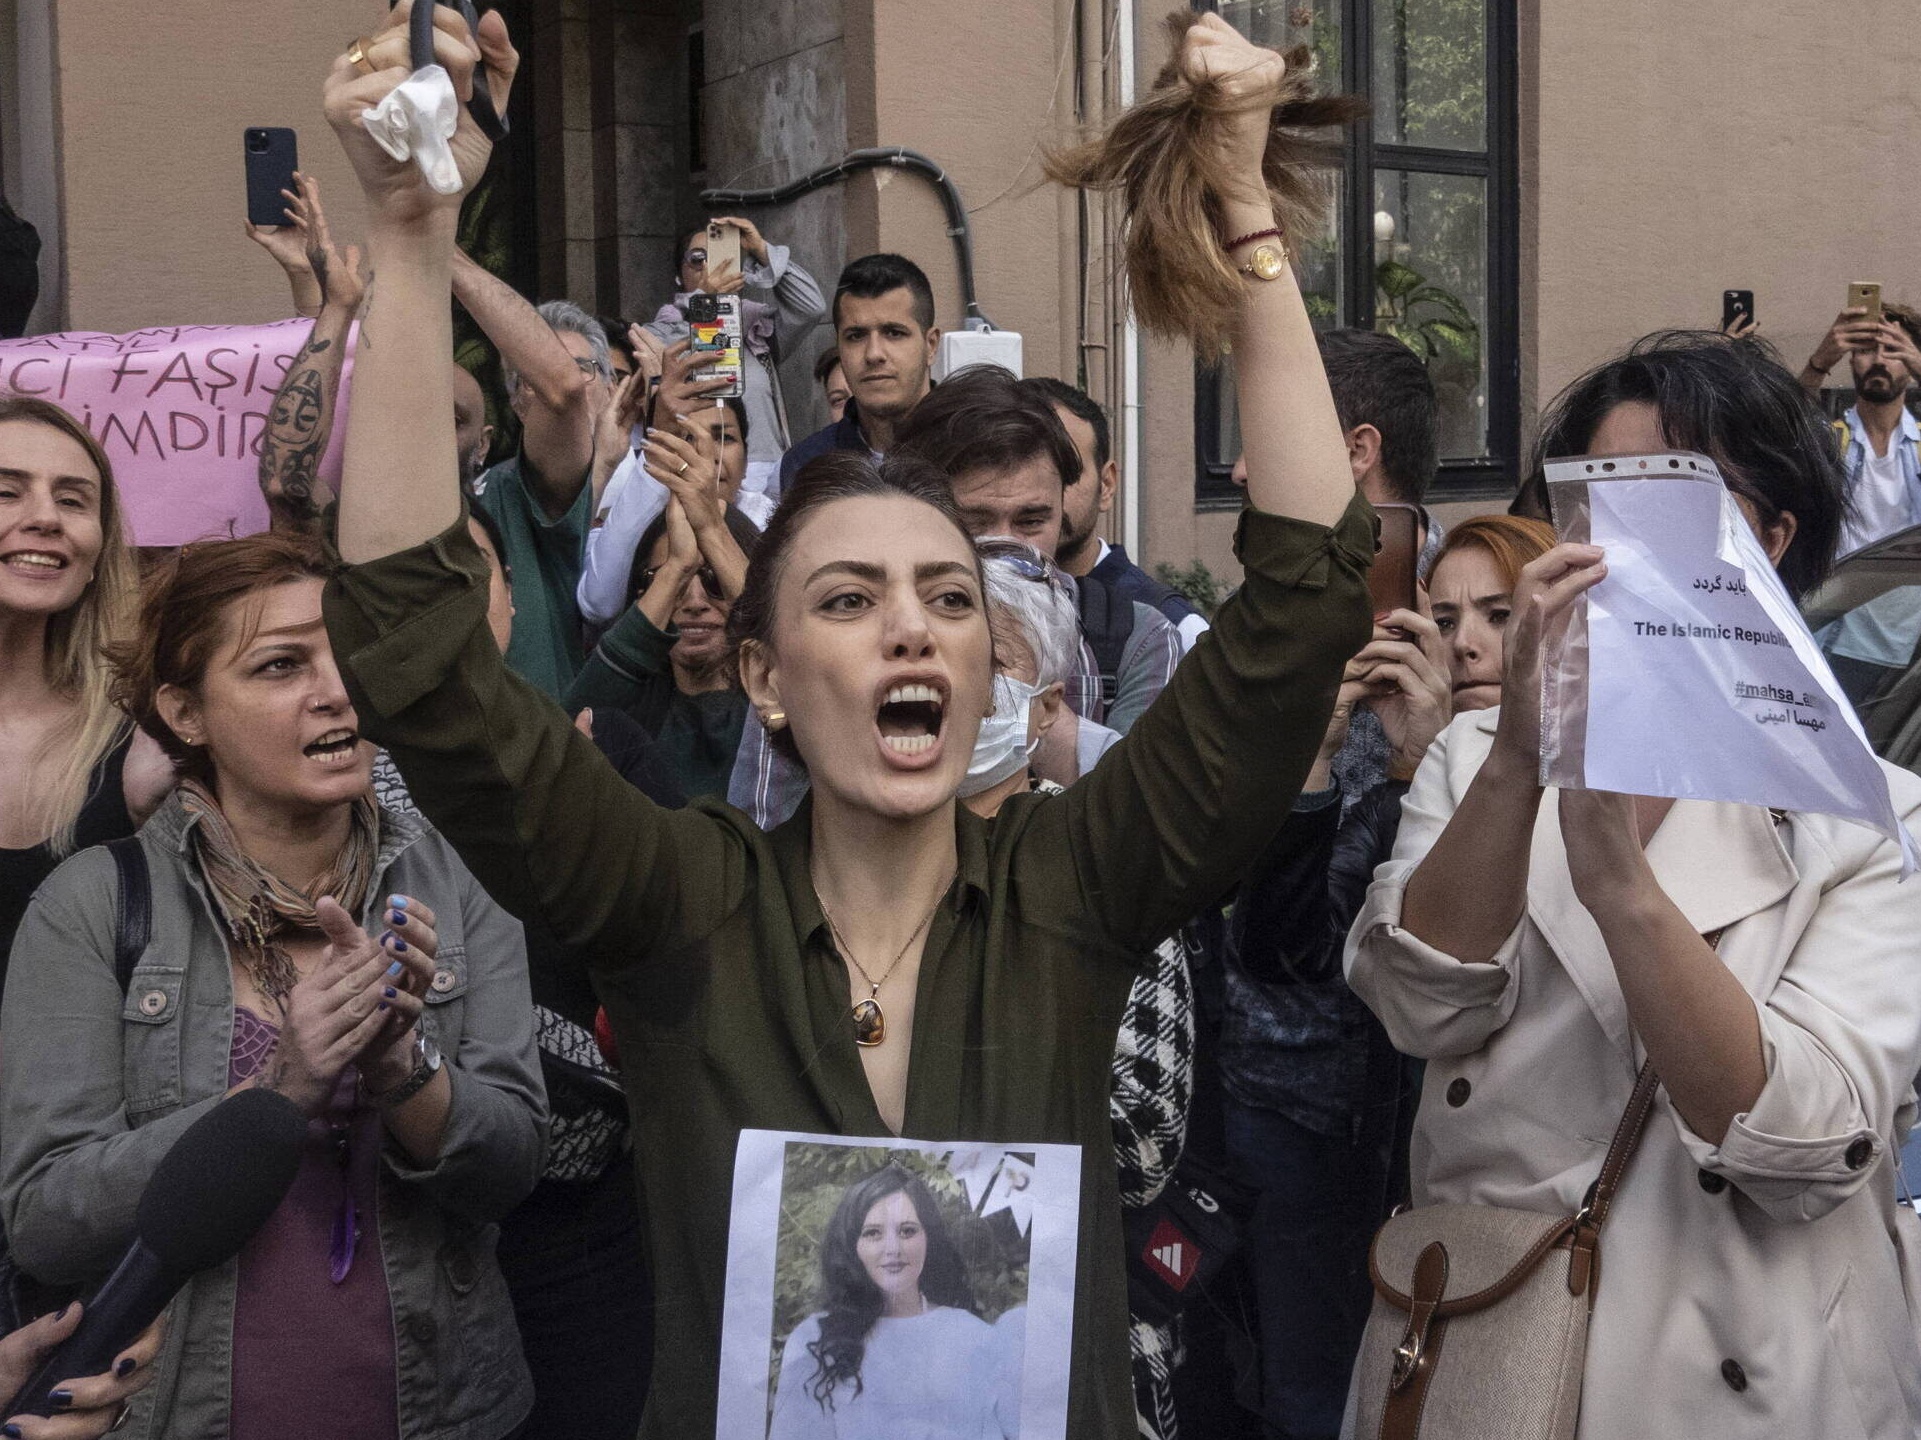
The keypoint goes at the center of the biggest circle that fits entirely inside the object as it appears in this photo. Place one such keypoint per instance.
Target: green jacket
(715, 963)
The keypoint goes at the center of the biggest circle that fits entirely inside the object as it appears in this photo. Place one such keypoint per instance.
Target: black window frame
(1496, 474)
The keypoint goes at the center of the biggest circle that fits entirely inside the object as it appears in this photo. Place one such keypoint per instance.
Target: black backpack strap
(1107, 620)
(133, 915)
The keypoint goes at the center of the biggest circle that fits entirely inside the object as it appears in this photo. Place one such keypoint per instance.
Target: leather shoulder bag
(1480, 1317)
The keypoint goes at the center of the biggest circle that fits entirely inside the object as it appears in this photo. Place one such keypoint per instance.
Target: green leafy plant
(1427, 318)
(1200, 586)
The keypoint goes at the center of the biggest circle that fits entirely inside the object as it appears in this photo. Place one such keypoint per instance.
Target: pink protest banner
(180, 410)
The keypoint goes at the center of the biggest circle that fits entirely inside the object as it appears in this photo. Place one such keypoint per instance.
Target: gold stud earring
(772, 720)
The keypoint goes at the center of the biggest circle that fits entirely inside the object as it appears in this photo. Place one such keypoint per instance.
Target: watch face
(1268, 263)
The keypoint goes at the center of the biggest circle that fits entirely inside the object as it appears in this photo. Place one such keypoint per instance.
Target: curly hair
(850, 1300)
(1164, 157)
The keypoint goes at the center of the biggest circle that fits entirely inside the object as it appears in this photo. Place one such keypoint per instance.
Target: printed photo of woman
(897, 1350)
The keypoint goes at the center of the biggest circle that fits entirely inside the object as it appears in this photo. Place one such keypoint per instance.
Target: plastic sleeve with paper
(1430, 1003)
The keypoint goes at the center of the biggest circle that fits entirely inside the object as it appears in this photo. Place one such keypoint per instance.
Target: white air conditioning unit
(961, 348)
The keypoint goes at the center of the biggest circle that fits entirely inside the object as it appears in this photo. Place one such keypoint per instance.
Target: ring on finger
(683, 468)
(357, 55)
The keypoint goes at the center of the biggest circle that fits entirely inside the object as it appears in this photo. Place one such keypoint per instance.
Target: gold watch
(1268, 262)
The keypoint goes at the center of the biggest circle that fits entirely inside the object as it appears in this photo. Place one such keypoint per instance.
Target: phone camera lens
(257, 142)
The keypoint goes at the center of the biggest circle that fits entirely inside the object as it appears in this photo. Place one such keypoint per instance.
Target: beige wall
(976, 98)
(151, 101)
(1687, 149)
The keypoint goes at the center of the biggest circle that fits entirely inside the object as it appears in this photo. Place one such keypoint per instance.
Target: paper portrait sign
(883, 1289)
(1688, 672)
(181, 411)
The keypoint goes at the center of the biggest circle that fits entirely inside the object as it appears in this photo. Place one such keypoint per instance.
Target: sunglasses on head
(1024, 560)
(709, 581)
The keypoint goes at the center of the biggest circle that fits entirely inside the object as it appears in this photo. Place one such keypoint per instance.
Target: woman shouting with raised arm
(884, 963)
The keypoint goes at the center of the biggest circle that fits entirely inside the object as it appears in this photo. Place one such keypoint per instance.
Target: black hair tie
(421, 45)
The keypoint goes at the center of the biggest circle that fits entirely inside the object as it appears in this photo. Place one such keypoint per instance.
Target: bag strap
(1594, 1209)
(133, 912)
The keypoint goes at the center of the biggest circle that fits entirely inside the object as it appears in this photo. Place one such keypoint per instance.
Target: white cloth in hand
(418, 118)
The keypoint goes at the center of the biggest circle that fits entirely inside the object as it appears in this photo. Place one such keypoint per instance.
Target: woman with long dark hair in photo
(886, 962)
(369, 1304)
(73, 771)
(896, 1348)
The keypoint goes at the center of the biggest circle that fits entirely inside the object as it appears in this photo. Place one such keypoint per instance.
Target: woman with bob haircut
(896, 1347)
(73, 771)
(1535, 947)
(370, 1303)
(885, 962)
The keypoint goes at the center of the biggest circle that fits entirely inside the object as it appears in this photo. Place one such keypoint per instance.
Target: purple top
(313, 1339)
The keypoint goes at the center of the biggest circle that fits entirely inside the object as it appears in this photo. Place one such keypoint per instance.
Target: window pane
(1282, 23)
(1430, 289)
(1430, 73)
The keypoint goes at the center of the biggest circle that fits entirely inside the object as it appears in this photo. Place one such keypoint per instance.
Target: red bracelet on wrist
(1272, 233)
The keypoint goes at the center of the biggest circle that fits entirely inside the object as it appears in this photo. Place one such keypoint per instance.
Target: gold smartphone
(723, 246)
(1865, 295)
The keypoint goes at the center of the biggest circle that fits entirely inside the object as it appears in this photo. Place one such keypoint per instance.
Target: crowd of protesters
(540, 827)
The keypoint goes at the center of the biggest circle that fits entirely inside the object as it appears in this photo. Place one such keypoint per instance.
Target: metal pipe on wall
(1130, 357)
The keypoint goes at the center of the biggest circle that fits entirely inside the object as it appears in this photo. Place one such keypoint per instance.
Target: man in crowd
(797, 305)
(558, 382)
(1870, 645)
(1082, 550)
(1308, 1141)
(884, 328)
(1012, 466)
(832, 380)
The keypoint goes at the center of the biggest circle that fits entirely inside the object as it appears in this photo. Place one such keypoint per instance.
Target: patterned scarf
(257, 906)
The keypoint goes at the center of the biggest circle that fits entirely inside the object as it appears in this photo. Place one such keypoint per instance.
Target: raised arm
(1296, 451)
(558, 417)
(301, 421)
(1174, 814)
(529, 803)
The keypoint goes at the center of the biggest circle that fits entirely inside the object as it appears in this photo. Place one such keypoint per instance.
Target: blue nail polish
(395, 969)
(125, 1368)
(384, 1005)
(390, 992)
(60, 1399)
(398, 917)
(12, 1432)
(400, 944)
(399, 902)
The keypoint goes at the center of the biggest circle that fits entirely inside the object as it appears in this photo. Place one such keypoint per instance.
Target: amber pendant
(870, 1025)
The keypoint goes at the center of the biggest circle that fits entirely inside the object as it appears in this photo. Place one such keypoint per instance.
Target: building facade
(1541, 181)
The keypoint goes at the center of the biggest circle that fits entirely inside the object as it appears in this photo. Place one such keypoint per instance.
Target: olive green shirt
(712, 957)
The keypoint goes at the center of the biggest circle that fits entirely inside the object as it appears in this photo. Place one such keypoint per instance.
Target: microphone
(209, 1194)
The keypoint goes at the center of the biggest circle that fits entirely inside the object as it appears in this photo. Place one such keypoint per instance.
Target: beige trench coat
(1762, 1289)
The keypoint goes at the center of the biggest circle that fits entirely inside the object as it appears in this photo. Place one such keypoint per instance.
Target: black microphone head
(224, 1176)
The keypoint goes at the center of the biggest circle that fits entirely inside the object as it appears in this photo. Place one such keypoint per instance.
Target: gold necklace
(870, 1021)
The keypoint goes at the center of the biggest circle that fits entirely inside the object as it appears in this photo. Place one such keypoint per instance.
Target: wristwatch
(1268, 262)
(426, 1066)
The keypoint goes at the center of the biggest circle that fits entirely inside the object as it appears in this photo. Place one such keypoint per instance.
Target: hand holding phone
(1391, 578)
(1866, 295)
(272, 155)
(1737, 313)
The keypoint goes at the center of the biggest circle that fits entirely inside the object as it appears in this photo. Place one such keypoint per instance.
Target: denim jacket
(97, 1086)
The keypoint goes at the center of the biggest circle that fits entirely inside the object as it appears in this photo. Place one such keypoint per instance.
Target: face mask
(1002, 749)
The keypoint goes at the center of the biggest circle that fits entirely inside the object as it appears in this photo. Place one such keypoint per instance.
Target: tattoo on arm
(298, 429)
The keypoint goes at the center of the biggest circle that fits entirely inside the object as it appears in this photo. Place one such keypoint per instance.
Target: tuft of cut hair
(1164, 157)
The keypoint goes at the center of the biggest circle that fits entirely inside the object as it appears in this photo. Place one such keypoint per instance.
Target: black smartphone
(1397, 555)
(272, 157)
(1737, 306)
